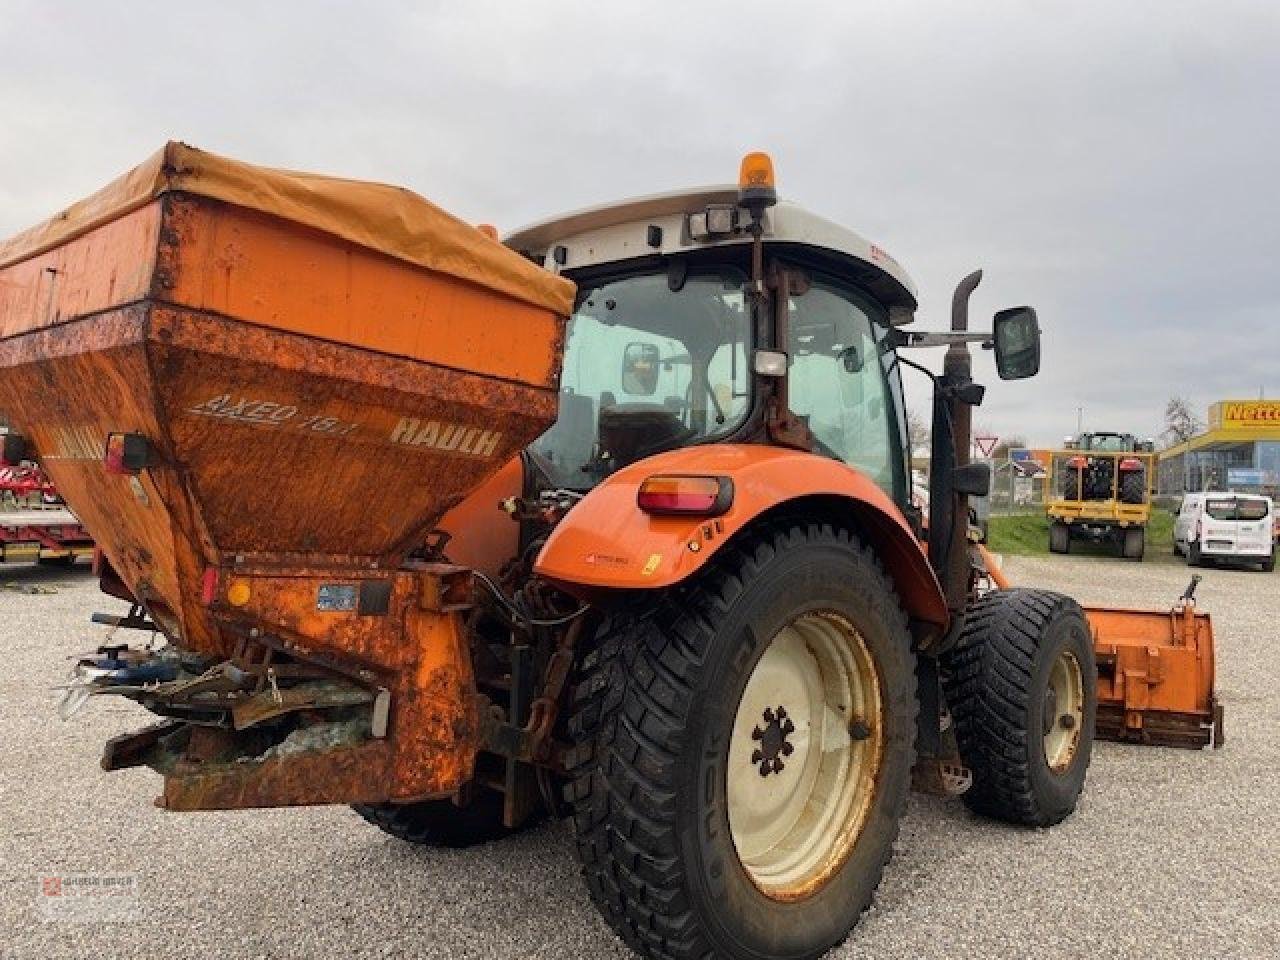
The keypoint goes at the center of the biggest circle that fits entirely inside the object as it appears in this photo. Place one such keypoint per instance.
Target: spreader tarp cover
(390, 220)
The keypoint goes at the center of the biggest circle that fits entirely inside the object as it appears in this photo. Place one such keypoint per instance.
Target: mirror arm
(912, 338)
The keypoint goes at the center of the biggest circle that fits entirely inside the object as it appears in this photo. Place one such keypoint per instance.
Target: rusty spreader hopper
(260, 391)
(1156, 675)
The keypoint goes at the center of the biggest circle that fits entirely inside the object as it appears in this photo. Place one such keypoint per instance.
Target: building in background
(1240, 451)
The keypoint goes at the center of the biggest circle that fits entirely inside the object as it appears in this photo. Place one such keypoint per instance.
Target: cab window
(839, 381)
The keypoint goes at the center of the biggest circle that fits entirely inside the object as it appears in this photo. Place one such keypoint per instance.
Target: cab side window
(838, 383)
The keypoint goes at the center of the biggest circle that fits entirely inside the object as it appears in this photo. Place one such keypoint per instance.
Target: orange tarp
(390, 220)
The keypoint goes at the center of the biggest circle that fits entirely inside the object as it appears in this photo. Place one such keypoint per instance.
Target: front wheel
(1059, 537)
(744, 752)
(1133, 543)
(1022, 688)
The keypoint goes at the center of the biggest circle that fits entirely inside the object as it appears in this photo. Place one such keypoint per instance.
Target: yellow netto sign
(1245, 415)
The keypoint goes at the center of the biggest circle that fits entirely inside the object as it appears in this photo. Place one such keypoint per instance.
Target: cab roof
(622, 231)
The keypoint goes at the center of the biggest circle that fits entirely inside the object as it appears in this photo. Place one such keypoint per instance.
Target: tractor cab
(725, 315)
(674, 343)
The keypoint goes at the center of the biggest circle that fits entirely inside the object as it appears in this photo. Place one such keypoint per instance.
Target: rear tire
(664, 756)
(1133, 486)
(1194, 559)
(1024, 663)
(440, 823)
(1059, 537)
(1269, 564)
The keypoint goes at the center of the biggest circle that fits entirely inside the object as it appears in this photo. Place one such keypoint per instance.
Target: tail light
(1130, 463)
(685, 495)
(1078, 463)
(209, 586)
(126, 453)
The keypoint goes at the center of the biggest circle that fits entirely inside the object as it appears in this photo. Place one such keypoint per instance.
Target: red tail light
(685, 495)
(209, 586)
(1130, 463)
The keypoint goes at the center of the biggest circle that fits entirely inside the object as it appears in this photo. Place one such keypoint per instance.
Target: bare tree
(917, 432)
(1181, 423)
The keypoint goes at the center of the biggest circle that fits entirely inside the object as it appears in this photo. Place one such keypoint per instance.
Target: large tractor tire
(1059, 537)
(1133, 486)
(440, 823)
(1022, 689)
(743, 751)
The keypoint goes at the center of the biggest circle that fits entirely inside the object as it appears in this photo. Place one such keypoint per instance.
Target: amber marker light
(674, 495)
(238, 593)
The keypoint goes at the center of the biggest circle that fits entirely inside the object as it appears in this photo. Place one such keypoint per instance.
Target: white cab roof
(620, 231)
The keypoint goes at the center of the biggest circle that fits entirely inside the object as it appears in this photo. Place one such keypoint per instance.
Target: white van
(1225, 526)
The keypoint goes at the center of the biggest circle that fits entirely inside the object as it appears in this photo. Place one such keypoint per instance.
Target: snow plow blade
(1156, 675)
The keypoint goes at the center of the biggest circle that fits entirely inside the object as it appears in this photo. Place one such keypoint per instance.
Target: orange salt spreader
(262, 390)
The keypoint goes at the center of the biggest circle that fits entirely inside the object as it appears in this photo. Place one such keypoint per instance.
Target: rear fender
(608, 542)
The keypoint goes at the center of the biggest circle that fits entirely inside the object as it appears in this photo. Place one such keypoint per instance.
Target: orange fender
(608, 541)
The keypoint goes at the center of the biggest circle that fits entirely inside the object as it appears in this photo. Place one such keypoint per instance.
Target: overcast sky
(1114, 164)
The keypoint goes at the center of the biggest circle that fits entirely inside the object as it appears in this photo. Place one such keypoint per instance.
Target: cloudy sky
(1115, 164)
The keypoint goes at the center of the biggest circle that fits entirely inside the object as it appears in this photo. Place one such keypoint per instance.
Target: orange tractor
(611, 522)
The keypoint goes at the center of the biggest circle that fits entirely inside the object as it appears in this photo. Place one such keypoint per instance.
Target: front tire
(1059, 537)
(703, 824)
(1133, 543)
(1022, 688)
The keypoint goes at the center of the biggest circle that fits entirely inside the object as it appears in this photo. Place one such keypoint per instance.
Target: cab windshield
(1108, 443)
(653, 362)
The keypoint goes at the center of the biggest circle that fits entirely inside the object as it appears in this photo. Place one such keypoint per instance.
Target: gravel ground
(1172, 854)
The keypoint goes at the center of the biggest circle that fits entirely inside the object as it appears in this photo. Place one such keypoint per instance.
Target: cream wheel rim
(803, 756)
(1063, 712)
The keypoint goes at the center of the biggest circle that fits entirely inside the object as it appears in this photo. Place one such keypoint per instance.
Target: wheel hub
(774, 744)
(803, 755)
(1062, 712)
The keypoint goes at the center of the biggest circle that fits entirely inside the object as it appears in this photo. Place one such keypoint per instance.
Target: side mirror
(640, 365)
(851, 358)
(1017, 339)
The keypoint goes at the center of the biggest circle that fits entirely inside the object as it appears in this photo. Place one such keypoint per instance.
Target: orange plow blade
(1156, 675)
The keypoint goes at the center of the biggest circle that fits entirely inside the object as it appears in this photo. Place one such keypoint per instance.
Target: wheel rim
(1063, 712)
(805, 750)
